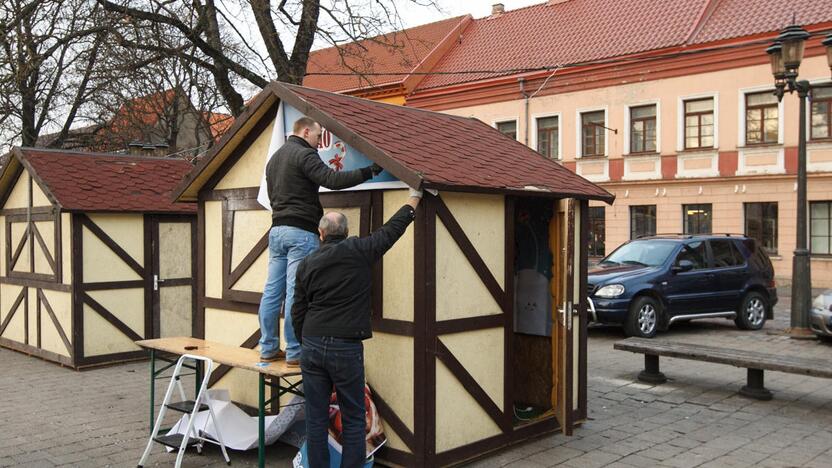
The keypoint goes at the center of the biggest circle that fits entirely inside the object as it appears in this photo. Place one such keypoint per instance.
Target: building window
(643, 129)
(761, 224)
(597, 226)
(592, 131)
(821, 113)
(699, 123)
(508, 128)
(820, 230)
(642, 221)
(761, 118)
(697, 218)
(547, 137)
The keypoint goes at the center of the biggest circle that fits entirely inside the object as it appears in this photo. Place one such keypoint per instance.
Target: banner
(334, 152)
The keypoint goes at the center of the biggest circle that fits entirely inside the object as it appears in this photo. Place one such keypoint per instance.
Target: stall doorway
(173, 276)
(538, 346)
(532, 343)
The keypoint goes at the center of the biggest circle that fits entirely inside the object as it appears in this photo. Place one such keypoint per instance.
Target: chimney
(497, 9)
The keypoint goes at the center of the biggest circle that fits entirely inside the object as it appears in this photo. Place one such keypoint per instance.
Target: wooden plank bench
(756, 362)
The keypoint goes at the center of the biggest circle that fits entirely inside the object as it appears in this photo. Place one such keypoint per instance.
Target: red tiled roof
(398, 52)
(445, 151)
(578, 31)
(107, 182)
(218, 123)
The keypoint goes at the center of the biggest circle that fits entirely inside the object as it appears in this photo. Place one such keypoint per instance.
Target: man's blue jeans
(288, 245)
(324, 363)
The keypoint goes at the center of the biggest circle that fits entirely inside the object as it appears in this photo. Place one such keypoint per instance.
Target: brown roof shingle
(419, 147)
(107, 182)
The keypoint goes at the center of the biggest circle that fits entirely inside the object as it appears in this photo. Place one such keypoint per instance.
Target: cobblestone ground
(51, 416)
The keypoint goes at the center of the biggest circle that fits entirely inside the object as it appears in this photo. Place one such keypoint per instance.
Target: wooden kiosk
(448, 369)
(94, 255)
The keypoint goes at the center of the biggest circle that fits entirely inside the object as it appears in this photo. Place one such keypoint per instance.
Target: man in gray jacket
(293, 177)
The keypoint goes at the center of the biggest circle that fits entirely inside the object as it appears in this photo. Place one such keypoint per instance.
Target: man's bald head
(333, 223)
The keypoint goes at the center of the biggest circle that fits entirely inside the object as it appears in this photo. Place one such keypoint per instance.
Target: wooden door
(562, 244)
(173, 275)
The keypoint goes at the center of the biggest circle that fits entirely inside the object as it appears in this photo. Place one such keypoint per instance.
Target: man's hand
(415, 196)
(376, 169)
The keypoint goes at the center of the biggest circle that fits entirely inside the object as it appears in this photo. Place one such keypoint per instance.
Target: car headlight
(610, 290)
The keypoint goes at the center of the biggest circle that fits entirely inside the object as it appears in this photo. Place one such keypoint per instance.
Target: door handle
(156, 282)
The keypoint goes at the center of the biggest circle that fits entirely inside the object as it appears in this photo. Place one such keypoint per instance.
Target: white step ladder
(190, 407)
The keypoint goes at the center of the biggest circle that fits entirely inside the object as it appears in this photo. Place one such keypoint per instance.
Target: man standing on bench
(332, 318)
(293, 177)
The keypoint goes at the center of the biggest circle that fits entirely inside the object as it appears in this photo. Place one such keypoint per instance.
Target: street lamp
(785, 54)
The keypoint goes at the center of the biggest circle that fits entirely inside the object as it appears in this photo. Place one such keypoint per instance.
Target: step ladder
(191, 438)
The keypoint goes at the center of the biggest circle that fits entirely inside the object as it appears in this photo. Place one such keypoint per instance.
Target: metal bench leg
(651, 373)
(755, 388)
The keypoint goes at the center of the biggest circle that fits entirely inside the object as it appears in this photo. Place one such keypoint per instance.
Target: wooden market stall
(95, 255)
(479, 333)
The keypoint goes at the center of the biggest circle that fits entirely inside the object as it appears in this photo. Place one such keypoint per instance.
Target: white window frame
(658, 104)
(814, 82)
(579, 140)
(515, 119)
(780, 115)
(533, 139)
(680, 125)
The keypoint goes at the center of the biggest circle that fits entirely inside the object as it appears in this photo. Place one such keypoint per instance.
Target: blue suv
(649, 283)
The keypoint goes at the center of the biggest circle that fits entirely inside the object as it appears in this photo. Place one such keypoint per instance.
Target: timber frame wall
(33, 301)
(425, 330)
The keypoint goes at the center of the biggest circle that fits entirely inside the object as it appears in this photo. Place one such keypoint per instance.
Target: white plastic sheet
(239, 430)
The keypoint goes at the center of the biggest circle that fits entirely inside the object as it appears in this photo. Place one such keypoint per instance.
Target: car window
(695, 253)
(641, 252)
(725, 254)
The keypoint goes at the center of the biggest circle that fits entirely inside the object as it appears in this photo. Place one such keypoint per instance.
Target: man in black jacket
(331, 317)
(293, 177)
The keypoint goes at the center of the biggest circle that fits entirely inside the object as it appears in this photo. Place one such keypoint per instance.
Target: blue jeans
(287, 247)
(324, 363)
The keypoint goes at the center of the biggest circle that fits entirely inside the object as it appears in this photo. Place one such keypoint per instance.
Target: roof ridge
(398, 31)
(97, 154)
(382, 103)
(708, 10)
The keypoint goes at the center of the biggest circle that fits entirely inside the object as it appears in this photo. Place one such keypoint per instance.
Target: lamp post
(786, 54)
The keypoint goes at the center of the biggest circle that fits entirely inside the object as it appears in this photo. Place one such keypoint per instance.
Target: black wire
(615, 60)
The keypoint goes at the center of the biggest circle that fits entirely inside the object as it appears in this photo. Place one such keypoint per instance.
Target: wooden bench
(756, 362)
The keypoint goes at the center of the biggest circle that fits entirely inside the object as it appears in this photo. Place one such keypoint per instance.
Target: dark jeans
(326, 362)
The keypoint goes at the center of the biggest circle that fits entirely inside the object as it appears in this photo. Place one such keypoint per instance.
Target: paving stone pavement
(52, 416)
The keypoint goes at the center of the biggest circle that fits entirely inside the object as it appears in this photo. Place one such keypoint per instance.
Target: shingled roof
(100, 182)
(421, 148)
(580, 31)
(399, 53)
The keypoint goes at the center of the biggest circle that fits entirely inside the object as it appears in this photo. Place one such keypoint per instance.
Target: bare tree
(212, 34)
(48, 50)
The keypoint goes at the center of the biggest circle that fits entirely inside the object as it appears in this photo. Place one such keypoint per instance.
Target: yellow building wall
(213, 249)
(459, 291)
(16, 329)
(19, 196)
(61, 303)
(101, 264)
(388, 367)
(397, 290)
(248, 170)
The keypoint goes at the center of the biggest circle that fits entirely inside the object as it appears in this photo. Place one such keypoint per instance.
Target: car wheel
(752, 313)
(643, 319)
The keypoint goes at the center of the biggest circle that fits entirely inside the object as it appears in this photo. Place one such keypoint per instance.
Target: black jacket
(293, 176)
(332, 289)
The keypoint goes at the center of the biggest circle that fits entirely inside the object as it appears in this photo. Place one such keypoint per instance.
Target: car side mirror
(682, 266)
